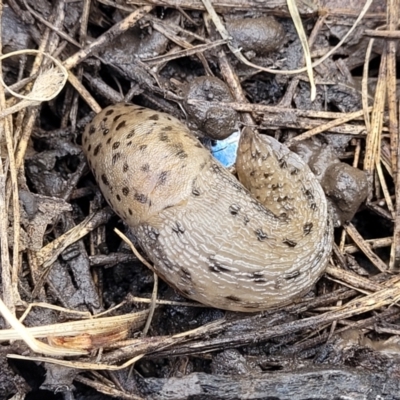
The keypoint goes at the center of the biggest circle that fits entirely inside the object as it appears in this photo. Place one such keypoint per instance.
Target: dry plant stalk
(46, 86)
(294, 13)
(34, 344)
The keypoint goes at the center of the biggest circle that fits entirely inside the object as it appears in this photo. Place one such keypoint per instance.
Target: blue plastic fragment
(225, 151)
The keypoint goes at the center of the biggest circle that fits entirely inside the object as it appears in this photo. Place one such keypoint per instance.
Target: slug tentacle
(208, 236)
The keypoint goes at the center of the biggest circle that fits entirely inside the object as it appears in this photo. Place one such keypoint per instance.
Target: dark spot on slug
(117, 117)
(153, 233)
(234, 209)
(120, 125)
(261, 235)
(186, 274)
(294, 171)
(277, 186)
(130, 211)
(109, 112)
(141, 198)
(178, 228)
(290, 243)
(168, 264)
(283, 216)
(108, 140)
(164, 137)
(105, 132)
(129, 143)
(313, 206)
(89, 147)
(115, 158)
(125, 167)
(234, 298)
(291, 275)
(252, 173)
(216, 168)
(266, 175)
(162, 178)
(125, 191)
(143, 147)
(217, 268)
(167, 129)
(181, 154)
(282, 163)
(195, 192)
(246, 219)
(145, 167)
(92, 130)
(116, 145)
(307, 228)
(154, 117)
(130, 134)
(105, 180)
(97, 149)
(198, 145)
(309, 194)
(118, 197)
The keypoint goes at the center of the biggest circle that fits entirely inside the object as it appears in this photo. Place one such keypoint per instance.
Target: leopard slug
(207, 235)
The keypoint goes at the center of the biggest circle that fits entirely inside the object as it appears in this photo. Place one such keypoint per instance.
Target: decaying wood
(326, 382)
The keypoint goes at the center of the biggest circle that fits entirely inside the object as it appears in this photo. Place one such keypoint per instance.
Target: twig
(10, 292)
(353, 233)
(185, 53)
(393, 21)
(107, 37)
(151, 268)
(35, 345)
(373, 143)
(294, 13)
(339, 121)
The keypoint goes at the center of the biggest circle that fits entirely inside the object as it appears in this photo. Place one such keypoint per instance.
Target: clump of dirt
(213, 121)
(59, 248)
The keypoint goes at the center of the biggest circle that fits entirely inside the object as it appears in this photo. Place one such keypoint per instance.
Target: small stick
(360, 242)
(151, 268)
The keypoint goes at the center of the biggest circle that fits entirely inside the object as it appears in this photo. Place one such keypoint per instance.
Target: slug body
(206, 234)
